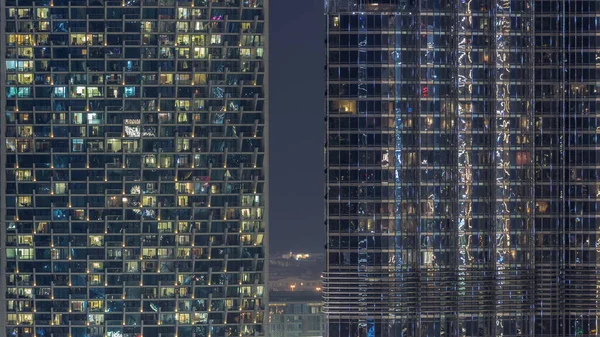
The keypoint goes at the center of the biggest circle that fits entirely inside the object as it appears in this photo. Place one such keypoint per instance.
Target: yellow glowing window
(199, 26)
(183, 13)
(183, 318)
(60, 188)
(183, 27)
(216, 39)
(185, 240)
(183, 253)
(184, 40)
(95, 279)
(25, 318)
(149, 253)
(183, 104)
(246, 27)
(96, 305)
(185, 226)
(167, 292)
(25, 253)
(25, 78)
(97, 266)
(20, 39)
(26, 52)
(148, 201)
(246, 52)
(96, 319)
(344, 106)
(78, 39)
(94, 92)
(96, 241)
(23, 175)
(132, 267)
(200, 317)
(26, 239)
(77, 306)
(113, 145)
(184, 78)
(44, 27)
(199, 53)
(200, 79)
(183, 53)
(42, 13)
(182, 201)
(12, 319)
(166, 78)
(165, 227)
(147, 27)
(183, 144)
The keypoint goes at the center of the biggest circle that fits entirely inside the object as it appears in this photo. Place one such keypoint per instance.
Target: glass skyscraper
(462, 183)
(133, 168)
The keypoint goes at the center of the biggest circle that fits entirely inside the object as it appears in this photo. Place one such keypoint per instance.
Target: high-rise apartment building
(462, 183)
(133, 168)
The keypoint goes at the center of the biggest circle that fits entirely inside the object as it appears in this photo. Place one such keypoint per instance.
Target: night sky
(296, 90)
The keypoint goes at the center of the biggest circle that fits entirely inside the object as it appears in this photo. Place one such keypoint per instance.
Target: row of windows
(164, 254)
(58, 12)
(147, 39)
(135, 53)
(135, 66)
(133, 3)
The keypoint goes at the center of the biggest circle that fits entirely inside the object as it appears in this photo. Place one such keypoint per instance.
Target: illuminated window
(96, 319)
(132, 267)
(25, 253)
(97, 267)
(94, 92)
(23, 175)
(149, 201)
(200, 318)
(24, 201)
(149, 253)
(183, 318)
(113, 145)
(343, 106)
(60, 188)
(199, 53)
(216, 39)
(183, 144)
(79, 39)
(166, 79)
(336, 21)
(96, 305)
(25, 240)
(182, 201)
(78, 306)
(150, 160)
(165, 227)
(42, 13)
(183, 40)
(95, 279)
(77, 145)
(24, 92)
(25, 79)
(96, 241)
(25, 319)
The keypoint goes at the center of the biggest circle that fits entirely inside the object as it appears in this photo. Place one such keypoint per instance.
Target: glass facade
(295, 316)
(462, 188)
(133, 168)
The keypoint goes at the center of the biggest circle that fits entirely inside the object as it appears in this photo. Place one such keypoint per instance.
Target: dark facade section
(461, 179)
